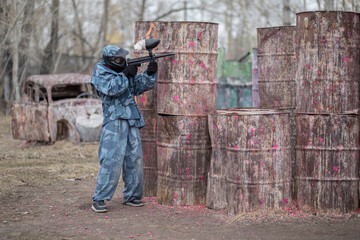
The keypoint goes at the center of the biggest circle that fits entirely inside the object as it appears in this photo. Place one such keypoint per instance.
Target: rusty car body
(51, 105)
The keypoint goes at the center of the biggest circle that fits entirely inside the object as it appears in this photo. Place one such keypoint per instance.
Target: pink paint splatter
(336, 168)
(345, 58)
(174, 61)
(192, 44)
(235, 146)
(275, 146)
(321, 139)
(176, 98)
(142, 99)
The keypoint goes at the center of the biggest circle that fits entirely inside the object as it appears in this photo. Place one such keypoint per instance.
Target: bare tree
(48, 59)
(286, 12)
(329, 5)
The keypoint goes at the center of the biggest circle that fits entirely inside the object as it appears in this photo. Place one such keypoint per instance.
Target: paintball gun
(148, 44)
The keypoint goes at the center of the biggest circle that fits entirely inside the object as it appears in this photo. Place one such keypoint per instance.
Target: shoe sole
(133, 204)
(98, 211)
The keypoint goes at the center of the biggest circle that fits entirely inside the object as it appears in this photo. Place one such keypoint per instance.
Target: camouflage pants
(120, 149)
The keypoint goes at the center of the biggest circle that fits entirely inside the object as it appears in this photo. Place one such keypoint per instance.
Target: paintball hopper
(147, 44)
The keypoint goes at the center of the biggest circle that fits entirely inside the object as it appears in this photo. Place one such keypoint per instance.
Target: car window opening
(65, 91)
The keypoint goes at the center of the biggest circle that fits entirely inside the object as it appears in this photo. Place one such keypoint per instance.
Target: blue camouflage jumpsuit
(120, 144)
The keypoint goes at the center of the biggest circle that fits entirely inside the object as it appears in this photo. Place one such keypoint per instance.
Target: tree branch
(175, 10)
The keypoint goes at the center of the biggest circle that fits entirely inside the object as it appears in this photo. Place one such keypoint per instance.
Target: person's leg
(133, 167)
(112, 148)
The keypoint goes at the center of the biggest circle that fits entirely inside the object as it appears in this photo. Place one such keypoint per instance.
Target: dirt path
(45, 193)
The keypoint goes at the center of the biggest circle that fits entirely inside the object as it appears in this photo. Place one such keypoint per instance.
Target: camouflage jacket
(117, 92)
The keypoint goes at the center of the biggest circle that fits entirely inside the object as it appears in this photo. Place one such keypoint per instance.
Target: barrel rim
(283, 26)
(215, 23)
(242, 112)
(356, 113)
(324, 11)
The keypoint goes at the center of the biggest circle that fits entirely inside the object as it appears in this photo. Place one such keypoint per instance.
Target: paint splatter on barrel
(276, 64)
(328, 60)
(251, 160)
(327, 156)
(187, 82)
(183, 145)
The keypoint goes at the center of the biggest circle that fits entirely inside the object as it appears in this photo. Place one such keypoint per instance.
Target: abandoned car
(57, 106)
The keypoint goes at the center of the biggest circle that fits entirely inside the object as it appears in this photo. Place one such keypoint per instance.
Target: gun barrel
(140, 60)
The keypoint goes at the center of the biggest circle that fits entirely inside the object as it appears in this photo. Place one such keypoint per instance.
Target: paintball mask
(117, 62)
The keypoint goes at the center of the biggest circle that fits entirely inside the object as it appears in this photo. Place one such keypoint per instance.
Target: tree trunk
(15, 53)
(142, 10)
(286, 13)
(229, 30)
(329, 5)
(48, 59)
(26, 34)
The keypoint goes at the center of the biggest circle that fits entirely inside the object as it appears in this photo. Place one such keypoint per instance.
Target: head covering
(115, 57)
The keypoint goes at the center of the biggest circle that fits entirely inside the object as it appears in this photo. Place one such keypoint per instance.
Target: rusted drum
(251, 160)
(327, 157)
(276, 64)
(183, 147)
(187, 82)
(148, 141)
(328, 60)
(147, 105)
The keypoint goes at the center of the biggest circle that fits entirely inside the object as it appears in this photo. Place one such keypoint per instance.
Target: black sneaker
(99, 206)
(134, 203)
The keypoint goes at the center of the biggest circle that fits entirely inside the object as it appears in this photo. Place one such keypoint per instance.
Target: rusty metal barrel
(186, 93)
(187, 83)
(147, 105)
(327, 155)
(327, 95)
(183, 145)
(251, 160)
(328, 59)
(276, 64)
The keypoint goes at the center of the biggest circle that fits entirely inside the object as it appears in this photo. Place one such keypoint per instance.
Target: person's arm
(109, 82)
(144, 82)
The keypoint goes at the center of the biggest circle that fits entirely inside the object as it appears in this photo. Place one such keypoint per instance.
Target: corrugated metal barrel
(327, 155)
(276, 64)
(148, 141)
(183, 145)
(147, 105)
(251, 160)
(328, 59)
(187, 83)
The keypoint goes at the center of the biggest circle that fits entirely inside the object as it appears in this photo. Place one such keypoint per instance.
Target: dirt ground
(46, 190)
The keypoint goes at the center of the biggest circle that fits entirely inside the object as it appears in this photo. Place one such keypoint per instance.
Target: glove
(130, 71)
(152, 68)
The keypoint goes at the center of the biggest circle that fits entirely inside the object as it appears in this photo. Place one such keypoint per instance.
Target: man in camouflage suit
(120, 144)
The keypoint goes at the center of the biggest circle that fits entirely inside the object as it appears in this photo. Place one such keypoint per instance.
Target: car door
(30, 117)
